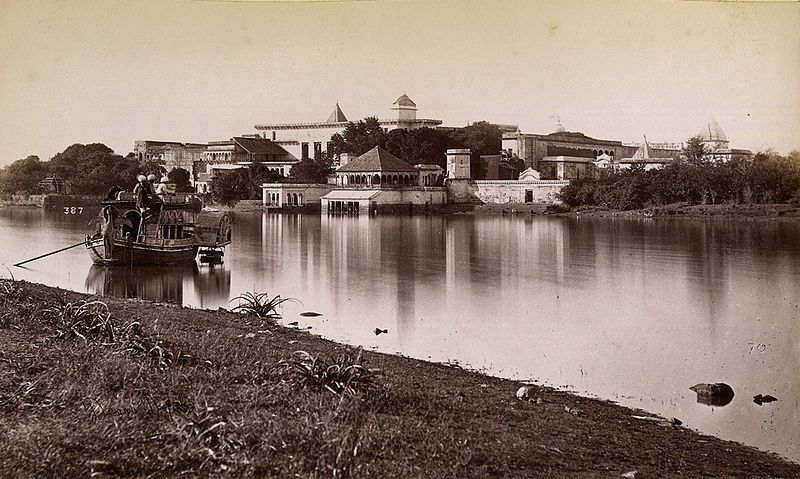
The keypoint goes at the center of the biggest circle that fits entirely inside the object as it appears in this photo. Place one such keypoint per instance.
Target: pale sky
(114, 72)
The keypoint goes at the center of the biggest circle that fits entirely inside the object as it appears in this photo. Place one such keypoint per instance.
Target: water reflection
(210, 284)
(633, 310)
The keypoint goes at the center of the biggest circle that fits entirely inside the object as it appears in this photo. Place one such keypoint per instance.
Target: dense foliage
(359, 137)
(421, 145)
(23, 176)
(182, 180)
(93, 169)
(87, 169)
(244, 183)
(312, 170)
(768, 178)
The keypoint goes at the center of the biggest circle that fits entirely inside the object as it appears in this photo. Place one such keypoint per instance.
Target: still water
(631, 310)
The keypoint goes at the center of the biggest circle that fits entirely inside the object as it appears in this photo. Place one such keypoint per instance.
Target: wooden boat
(171, 231)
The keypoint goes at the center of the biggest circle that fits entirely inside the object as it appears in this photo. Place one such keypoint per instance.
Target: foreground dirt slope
(176, 391)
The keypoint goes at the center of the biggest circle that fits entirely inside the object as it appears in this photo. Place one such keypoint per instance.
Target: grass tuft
(83, 319)
(205, 437)
(344, 374)
(259, 304)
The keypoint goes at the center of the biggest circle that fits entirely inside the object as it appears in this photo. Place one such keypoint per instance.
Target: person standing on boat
(143, 192)
(108, 231)
(161, 187)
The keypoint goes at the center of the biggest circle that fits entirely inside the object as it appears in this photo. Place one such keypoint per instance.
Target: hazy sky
(114, 72)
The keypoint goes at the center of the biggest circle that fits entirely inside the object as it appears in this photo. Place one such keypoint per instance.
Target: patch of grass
(204, 437)
(345, 374)
(259, 304)
(88, 320)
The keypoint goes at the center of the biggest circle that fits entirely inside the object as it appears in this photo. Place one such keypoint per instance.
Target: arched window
(376, 180)
(300, 199)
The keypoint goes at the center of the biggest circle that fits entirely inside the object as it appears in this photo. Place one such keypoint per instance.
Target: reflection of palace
(160, 283)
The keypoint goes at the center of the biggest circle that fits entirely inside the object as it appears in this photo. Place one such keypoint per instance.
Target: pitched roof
(336, 115)
(377, 159)
(404, 100)
(712, 132)
(259, 146)
(643, 153)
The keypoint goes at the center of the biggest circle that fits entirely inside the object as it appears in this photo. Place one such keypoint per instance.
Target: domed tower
(406, 109)
(713, 136)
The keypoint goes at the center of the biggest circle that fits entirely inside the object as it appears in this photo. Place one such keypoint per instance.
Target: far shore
(176, 391)
(678, 210)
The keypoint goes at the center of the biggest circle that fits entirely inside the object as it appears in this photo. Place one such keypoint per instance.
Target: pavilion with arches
(377, 169)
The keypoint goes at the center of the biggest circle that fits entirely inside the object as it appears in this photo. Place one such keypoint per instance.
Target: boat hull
(124, 253)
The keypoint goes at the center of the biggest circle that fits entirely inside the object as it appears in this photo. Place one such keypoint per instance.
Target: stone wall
(462, 191)
(69, 201)
(504, 191)
(22, 200)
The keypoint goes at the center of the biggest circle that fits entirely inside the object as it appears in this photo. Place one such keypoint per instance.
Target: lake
(631, 310)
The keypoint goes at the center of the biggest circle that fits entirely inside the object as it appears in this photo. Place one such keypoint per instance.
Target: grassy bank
(130, 388)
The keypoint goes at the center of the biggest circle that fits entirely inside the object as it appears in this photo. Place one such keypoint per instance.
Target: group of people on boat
(147, 194)
(147, 197)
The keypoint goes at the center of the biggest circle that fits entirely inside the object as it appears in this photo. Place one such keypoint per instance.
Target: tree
(312, 170)
(93, 169)
(258, 174)
(695, 151)
(360, 137)
(23, 176)
(241, 184)
(181, 178)
(481, 137)
(420, 146)
(229, 187)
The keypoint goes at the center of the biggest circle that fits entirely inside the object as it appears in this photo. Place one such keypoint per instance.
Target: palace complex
(550, 159)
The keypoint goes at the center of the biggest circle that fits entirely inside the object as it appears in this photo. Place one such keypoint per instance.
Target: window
(172, 232)
(304, 151)
(317, 148)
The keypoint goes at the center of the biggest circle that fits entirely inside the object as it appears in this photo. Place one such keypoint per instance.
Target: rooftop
(336, 115)
(405, 101)
(376, 159)
(259, 146)
(712, 132)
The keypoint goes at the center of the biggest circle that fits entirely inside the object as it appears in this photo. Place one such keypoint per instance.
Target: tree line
(91, 169)
(767, 178)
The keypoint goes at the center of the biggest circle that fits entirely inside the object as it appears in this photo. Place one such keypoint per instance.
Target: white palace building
(304, 140)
